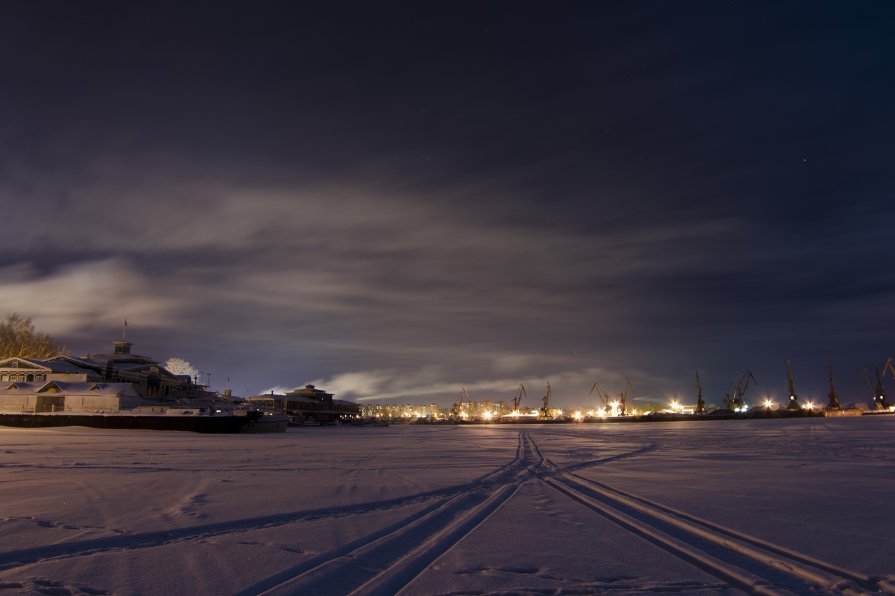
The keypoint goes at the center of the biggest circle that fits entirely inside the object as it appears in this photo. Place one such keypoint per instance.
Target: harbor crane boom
(458, 407)
(793, 398)
(741, 390)
(736, 399)
(889, 366)
(879, 392)
(517, 401)
(545, 409)
(834, 395)
(604, 397)
(700, 403)
(623, 398)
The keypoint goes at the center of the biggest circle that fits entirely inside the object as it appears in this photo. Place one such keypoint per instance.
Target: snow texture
(725, 507)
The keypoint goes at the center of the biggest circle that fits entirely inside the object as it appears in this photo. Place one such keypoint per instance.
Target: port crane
(544, 414)
(793, 398)
(700, 403)
(604, 397)
(834, 403)
(517, 401)
(890, 365)
(623, 398)
(879, 393)
(735, 400)
(458, 407)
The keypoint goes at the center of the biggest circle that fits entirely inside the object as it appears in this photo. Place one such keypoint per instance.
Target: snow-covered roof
(66, 387)
(119, 359)
(62, 366)
(134, 365)
(73, 361)
(38, 364)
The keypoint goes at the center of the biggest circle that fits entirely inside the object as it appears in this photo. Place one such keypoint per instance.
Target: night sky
(395, 201)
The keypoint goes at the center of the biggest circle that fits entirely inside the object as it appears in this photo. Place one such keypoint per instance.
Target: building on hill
(149, 378)
(308, 405)
(153, 380)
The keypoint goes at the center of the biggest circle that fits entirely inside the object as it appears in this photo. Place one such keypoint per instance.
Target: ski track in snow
(385, 562)
(11, 559)
(743, 561)
(389, 560)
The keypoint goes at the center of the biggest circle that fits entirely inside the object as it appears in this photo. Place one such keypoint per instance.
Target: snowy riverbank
(448, 509)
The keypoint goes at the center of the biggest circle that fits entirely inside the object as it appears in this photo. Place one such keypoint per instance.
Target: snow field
(706, 507)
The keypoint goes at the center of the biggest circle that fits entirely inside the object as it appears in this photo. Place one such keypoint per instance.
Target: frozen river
(723, 507)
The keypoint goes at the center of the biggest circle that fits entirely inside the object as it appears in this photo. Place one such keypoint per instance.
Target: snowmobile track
(387, 561)
(744, 561)
(83, 548)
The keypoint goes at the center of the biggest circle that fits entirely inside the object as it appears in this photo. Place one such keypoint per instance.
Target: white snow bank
(686, 507)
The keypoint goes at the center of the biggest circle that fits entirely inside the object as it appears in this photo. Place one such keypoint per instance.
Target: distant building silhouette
(308, 405)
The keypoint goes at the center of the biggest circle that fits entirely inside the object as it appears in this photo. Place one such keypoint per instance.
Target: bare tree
(179, 366)
(19, 338)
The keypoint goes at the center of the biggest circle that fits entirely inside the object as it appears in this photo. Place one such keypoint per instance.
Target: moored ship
(199, 420)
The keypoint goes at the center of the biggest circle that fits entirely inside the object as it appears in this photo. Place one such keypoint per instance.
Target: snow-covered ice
(801, 505)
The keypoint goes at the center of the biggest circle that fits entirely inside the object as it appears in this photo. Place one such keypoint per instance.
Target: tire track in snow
(744, 561)
(387, 561)
(19, 558)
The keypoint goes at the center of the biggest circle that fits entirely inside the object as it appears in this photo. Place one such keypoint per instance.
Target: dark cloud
(399, 202)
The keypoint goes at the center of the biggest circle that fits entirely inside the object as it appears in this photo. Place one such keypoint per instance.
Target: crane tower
(834, 403)
(700, 403)
(517, 401)
(545, 409)
(793, 398)
(879, 392)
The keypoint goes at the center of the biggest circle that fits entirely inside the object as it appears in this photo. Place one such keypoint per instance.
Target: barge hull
(199, 424)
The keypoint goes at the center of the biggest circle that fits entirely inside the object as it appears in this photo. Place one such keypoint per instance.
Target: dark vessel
(183, 419)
